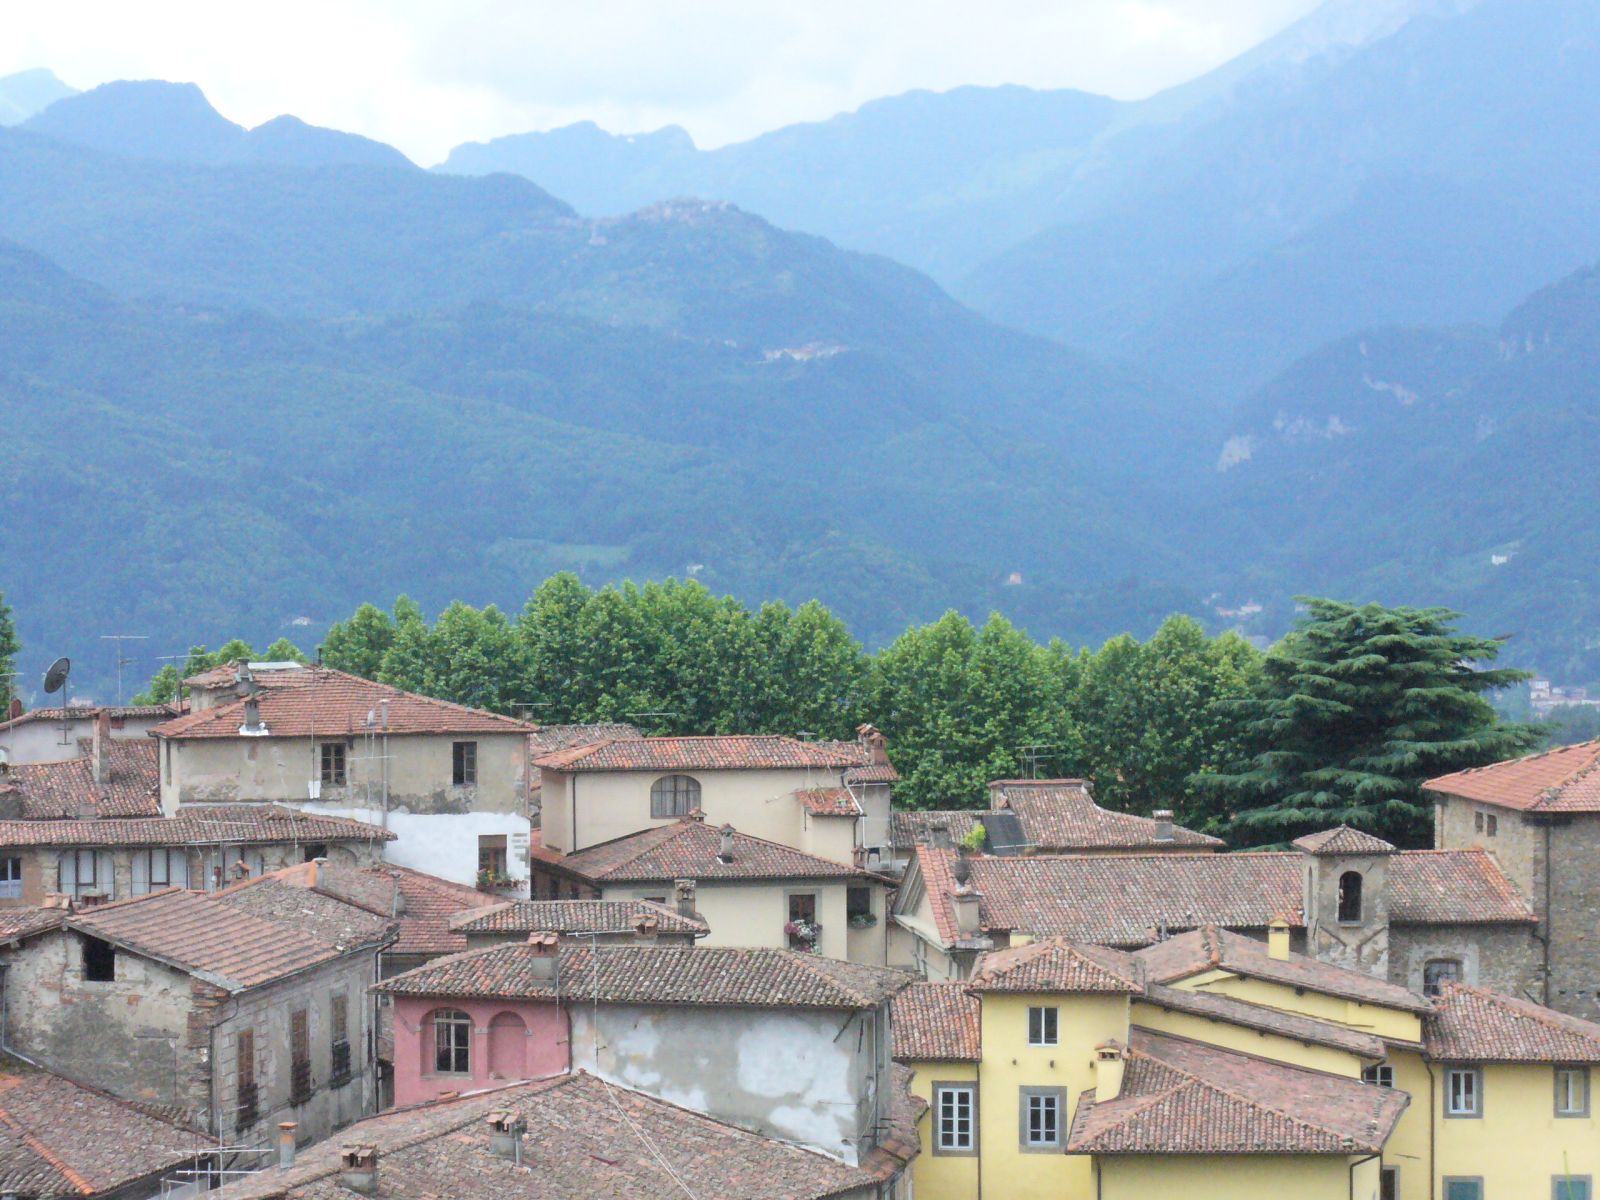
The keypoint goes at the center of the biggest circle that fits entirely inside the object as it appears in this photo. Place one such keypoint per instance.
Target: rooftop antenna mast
(119, 638)
(1033, 755)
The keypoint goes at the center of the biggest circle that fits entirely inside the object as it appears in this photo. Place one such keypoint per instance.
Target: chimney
(358, 1168)
(1278, 939)
(57, 900)
(1108, 1068)
(253, 726)
(544, 952)
(1163, 819)
(725, 847)
(683, 896)
(505, 1135)
(939, 835)
(645, 928)
(876, 746)
(286, 1132)
(966, 901)
(16, 710)
(100, 750)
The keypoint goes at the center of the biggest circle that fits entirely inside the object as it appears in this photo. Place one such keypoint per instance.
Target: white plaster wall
(41, 741)
(803, 1076)
(444, 844)
(754, 914)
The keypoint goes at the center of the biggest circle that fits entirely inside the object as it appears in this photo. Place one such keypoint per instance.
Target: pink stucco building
(462, 1045)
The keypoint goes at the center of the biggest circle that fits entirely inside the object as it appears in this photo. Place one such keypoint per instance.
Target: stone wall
(1504, 958)
(1574, 921)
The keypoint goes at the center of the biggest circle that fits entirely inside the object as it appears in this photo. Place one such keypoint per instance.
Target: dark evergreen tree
(10, 647)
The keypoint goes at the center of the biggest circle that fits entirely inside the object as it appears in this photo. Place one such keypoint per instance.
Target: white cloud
(425, 75)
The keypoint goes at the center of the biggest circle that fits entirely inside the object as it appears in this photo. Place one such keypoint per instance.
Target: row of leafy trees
(1340, 722)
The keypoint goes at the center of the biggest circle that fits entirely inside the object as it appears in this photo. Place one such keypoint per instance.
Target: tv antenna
(1033, 755)
(55, 680)
(119, 638)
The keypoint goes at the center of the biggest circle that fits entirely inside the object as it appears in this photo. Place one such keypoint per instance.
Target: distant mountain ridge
(174, 122)
(26, 92)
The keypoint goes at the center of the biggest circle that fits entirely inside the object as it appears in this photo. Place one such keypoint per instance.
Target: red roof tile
(1180, 1097)
(1229, 1010)
(1472, 1024)
(1057, 965)
(428, 906)
(547, 739)
(586, 1139)
(67, 790)
(316, 701)
(572, 917)
(86, 712)
(914, 827)
(729, 976)
(872, 773)
(829, 802)
(1124, 900)
(1060, 816)
(936, 1022)
(59, 1138)
(218, 941)
(1342, 840)
(723, 753)
(197, 825)
(688, 849)
(19, 923)
(1566, 779)
(1213, 949)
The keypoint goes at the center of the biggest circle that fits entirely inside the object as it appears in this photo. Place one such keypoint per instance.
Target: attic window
(99, 961)
(674, 796)
(1350, 898)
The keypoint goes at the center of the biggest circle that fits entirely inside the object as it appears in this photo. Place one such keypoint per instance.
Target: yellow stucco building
(1215, 1065)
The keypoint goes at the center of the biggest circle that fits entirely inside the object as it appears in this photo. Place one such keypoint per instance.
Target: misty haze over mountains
(1320, 321)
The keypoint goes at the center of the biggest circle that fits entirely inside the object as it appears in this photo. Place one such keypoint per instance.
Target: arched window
(452, 1042)
(508, 1047)
(1350, 898)
(674, 796)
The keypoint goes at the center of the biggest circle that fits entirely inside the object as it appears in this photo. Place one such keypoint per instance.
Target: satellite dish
(56, 677)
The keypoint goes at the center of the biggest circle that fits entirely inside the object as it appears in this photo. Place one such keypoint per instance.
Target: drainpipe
(572, 827)
(1433, 1131)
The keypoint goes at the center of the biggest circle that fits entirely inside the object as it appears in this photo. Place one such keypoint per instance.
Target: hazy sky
(426, 74)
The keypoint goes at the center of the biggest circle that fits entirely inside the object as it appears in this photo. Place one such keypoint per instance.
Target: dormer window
(674, 796)
(1350, 898)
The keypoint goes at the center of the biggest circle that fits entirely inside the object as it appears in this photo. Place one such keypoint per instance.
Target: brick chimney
(286, 1135)
(1163, 820)
(358, 1168)
(100, 747)
(645, 928)
(725, 846)
(544, 952)
(1108, 1069)
(875, 744)
(1278, 939)
(505, 1135)
(683, 897)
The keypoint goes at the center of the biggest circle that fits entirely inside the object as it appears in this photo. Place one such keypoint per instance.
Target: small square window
(1042, 1026)
(1437, 972)
(1572, 1091)
(464, 763)
(1382, 1075)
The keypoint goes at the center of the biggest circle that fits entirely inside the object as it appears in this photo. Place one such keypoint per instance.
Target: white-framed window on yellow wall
(1042, 1115)
(1044, 1025)
(955, 1118)
(1463, 1092)
(1572, 1091)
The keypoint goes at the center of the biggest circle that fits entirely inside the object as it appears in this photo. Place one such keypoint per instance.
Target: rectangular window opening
(1043, 1025)
(10, 879)
(1042, 1111)
(1570, 1187)
(1463, 1094)
(299, 1056)
(955, 1118)
(99, 960)
(464, 763)
(1382, 1075)
(333, 763)
(1572, 1091)
(492, 855)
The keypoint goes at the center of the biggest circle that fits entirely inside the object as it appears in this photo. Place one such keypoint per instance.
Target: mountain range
(1321, 321)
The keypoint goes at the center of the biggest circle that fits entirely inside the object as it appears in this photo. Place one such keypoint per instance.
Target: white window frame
(1042, 1115)
(1566, 1075)
(1044, 1025)
(173, 866)
(1380, 1075)
(102, 872)
(955, 1104)
(10, 877)
(1470, 1081)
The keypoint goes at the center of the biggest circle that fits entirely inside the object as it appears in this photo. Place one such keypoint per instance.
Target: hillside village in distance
(299, 934)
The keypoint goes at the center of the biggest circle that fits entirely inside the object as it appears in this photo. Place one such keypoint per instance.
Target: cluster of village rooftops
(302, 935)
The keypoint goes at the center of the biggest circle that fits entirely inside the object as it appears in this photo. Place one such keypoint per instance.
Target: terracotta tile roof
(572, 917)
(1342, 840)
(316, 701)
(59, 1138)
(1213, 949)
(196, 825)
(829, 802)
(688, 849)
(585, 1138)
(936, 1022)
(293, 896)
(1060, 816)
(547, 739)
(19, 923)
(1472, 1024)
(732, 752)
(87, 712)
(1216, 1006)
(1180, 1097)
(1566, 779)
(276, 674)
(729, 976)
(67, 790)
(428, 905)
(1057, 965)
(872, 773)
(919, 827)
(218, 941)
(1122, 900)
